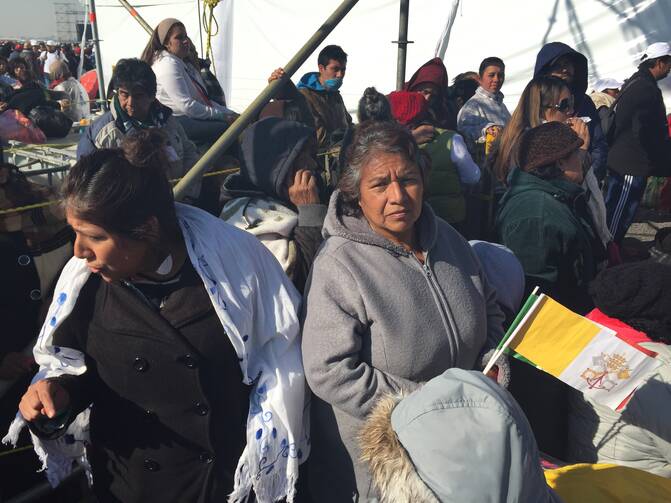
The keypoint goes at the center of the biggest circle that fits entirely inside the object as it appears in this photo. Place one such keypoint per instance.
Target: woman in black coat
(169, 388)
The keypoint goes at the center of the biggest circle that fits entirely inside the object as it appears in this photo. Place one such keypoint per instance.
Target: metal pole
(99, 59)
(252, 111)
(131, 10)
(402, 43)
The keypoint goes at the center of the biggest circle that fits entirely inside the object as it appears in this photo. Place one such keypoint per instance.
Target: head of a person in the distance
(492, 74)
(170, 35)
(135, 87)
(552, 151)
(332, 65)
(120, 205)
(657, 60)
(383, 181)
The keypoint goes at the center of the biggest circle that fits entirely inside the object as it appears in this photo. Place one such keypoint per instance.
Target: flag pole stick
(499, 352)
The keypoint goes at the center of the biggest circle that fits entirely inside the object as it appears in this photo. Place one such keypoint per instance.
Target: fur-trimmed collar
(392, 470)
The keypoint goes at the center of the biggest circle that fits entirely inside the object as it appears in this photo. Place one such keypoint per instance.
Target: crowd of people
(321, 334)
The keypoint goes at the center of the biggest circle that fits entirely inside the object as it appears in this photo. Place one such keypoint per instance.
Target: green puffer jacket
(444, 187)
(547, 225)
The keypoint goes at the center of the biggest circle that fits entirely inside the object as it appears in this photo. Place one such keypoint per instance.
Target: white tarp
(256, 36)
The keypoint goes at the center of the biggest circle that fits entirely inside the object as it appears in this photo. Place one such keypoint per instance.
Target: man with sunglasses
(560, 60)
(639, 138)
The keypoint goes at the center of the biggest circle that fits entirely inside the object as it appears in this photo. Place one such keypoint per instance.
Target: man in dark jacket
(321, 92)
(560, 60)
(639, 139)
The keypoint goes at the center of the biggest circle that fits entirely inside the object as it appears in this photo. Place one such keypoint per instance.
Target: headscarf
(157, 39)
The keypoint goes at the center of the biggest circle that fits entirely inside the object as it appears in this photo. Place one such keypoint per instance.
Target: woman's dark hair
(371, 138)
(17, 62)
(133, 73)
(19, 190)
(374, 105)
(121, 189)
(491, 61)
(154, 46)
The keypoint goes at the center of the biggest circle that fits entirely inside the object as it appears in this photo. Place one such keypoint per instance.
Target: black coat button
(189, 361)
(206, 458)
(151, 466)
(201, 409)
(140, 364)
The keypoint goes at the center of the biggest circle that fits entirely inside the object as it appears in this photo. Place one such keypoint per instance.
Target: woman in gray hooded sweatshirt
(396, 296)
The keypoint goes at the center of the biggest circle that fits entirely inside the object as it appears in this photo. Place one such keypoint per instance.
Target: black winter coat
(640, 143)
(169, 407)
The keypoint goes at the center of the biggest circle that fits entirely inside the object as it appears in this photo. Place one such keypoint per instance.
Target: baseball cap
(656, 50)
(602, 84)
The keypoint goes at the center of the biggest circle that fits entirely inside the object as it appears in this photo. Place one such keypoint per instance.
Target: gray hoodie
(377, 321)
(460, 438)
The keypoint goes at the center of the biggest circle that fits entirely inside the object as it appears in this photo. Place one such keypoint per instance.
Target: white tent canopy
(256, 36)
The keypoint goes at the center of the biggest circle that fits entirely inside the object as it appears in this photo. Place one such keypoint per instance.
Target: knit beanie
(546, 144)
(408, 107)
(164, 27)
(637, 294)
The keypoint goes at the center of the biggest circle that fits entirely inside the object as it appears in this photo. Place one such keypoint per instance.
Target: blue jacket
(584, 106)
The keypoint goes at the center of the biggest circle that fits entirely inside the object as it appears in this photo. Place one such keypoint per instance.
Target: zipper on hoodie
(445, 312)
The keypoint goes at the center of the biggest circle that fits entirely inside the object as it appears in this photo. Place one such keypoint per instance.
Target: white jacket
(175, 88)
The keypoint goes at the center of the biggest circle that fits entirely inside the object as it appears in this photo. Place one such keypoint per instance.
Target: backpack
(608, 123)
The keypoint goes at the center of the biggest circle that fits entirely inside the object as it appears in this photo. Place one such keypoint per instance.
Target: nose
(81, 251)
(396, 192)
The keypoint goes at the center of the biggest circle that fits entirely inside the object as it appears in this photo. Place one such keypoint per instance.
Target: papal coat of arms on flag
(580, 352)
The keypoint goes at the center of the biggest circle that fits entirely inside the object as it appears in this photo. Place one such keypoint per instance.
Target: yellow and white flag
(585, 355)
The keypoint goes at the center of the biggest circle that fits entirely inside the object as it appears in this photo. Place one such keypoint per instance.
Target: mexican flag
(585, 355)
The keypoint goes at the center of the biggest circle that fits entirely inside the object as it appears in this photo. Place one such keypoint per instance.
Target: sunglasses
(564, 106)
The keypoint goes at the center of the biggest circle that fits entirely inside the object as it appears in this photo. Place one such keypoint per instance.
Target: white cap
(656, 50)
(603, 84)
(52, 43)
(33, 42)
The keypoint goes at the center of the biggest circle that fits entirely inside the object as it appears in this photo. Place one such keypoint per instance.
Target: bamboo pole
(252, 111)
(131, 10)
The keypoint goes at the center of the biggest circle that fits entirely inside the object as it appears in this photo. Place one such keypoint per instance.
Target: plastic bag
(16, 126)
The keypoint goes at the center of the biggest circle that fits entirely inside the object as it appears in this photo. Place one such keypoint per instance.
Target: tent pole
(252, 111)
(131, 10)
(402, 43)
(99, 60)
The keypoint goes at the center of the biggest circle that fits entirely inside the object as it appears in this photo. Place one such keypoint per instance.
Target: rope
(49, 203)
(208, 19)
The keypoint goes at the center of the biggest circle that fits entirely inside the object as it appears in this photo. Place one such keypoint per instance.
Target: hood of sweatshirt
(488, 452)
(549, 53)
(269, 148)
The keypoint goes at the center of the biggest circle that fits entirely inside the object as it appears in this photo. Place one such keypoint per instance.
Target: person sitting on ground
(63, 81)
(374, 312)
(604, 93)
(430, 79)
(321, 90)
(549, 99)
(276, 194)
(559, 60)
(134, 108)
(21, 70)
(451, 164)
(180, 86)
(183, 333)
(483, 448)
(635, 301)
(543, 219)
(485, 113)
